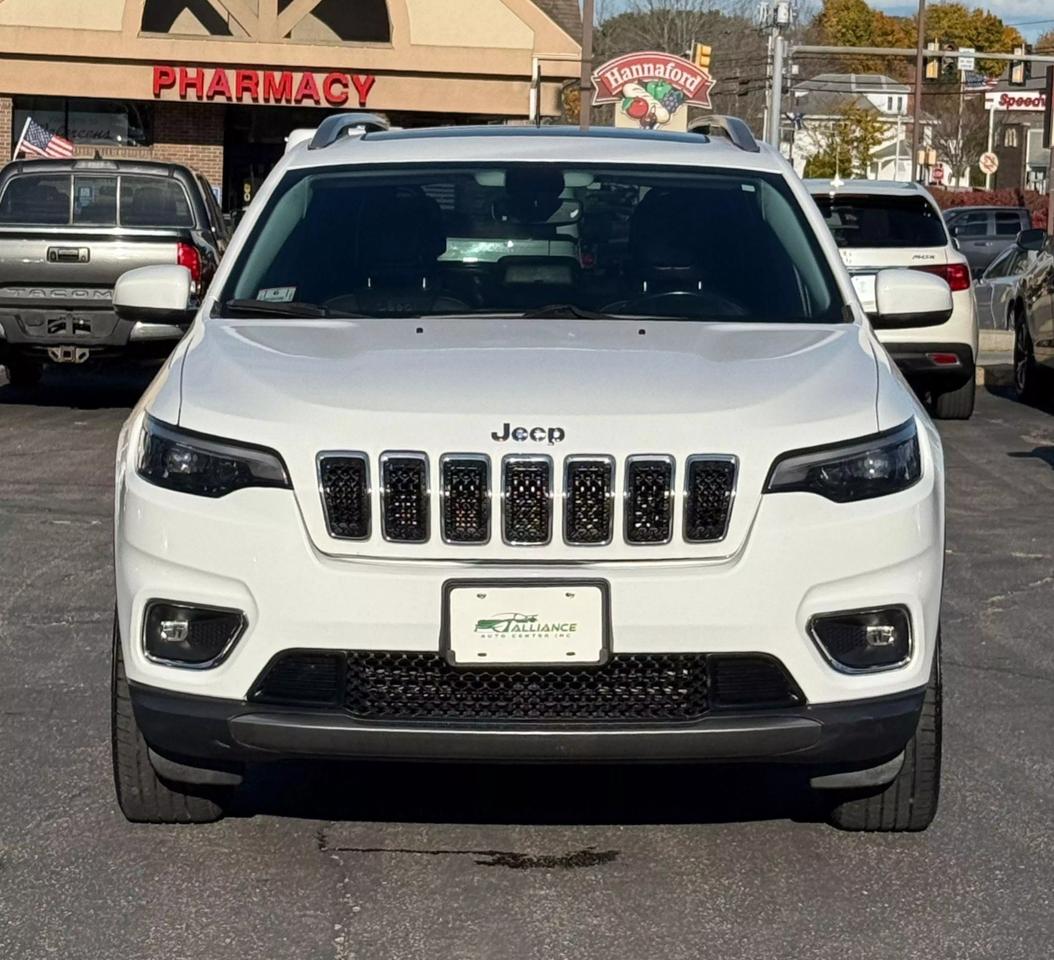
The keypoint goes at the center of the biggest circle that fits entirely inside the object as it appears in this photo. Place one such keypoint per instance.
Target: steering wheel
(708, 303)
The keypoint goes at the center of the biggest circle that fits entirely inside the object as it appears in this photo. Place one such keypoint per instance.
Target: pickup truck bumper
(35, 332)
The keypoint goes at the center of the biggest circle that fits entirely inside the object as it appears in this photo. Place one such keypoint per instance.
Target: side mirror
(1032, 239)
(158, 294)
(911, 298)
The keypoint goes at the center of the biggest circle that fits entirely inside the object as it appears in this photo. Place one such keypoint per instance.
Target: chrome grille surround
(405, 497)
(466, 498)
(527, 500)
(589, 500)
(709, 492)
(344, 487)
(648, 499)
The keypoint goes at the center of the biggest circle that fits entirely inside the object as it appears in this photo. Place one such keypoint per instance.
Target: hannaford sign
(262, 86)
(1015, 101)
(652, 89)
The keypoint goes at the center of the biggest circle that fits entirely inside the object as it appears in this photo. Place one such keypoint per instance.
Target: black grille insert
(751, 680)
(708, 498)
(589, 500)
(649, 499)
(527, 503)
(404, 497)
(466, 499)
(302, 678)
(423, 686)
(344, 479)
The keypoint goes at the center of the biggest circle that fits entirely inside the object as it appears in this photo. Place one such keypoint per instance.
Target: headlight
(872, 466)
(205, 466)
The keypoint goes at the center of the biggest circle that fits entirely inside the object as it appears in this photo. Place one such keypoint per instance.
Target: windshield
(879, 221)
(534, 240)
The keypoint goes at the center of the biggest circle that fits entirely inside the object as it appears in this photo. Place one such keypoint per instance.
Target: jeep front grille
(344, 479)
(649, 499)
(589, 493)
(465, 491)
(581, 499)
(404, 497)
(708, 492)
(527, 502)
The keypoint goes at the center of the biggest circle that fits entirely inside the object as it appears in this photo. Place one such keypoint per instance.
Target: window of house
(103, 123)
(189, 17)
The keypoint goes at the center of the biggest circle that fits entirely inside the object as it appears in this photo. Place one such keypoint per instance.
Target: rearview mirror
(159, 294)
(911, 298)
(1031, 239)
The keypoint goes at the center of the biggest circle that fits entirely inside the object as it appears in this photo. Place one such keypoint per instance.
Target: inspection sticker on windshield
(865, 290)
(492, 625)
(277, 294)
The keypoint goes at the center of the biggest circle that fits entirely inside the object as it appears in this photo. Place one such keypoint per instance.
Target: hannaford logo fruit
(651, 87)
(524, 623)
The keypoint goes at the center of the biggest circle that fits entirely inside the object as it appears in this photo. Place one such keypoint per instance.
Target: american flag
(39, 142)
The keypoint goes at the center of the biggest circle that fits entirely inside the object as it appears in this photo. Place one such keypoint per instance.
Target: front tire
(955, 404)
(909, 802)
(141, 794)
(1026, 372)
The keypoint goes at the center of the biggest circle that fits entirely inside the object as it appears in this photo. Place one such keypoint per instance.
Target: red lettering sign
(261, 86)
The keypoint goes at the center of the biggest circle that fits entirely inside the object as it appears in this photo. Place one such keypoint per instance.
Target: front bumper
(204, 732)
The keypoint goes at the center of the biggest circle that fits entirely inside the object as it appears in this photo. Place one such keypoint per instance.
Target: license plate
(865, 290)
(494, 625)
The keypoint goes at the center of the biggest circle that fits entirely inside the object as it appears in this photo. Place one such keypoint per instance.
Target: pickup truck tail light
(956, 275)
(188, 256)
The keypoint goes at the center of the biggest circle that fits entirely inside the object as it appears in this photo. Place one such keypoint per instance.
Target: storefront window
(103, 123)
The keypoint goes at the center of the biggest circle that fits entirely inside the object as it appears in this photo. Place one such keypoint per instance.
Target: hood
(592, 387)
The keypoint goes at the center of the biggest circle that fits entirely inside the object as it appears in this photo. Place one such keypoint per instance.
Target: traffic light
(701, 56)
(933, 64)
(1020, 70)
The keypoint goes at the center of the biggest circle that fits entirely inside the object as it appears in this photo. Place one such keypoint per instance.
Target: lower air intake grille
(404, 497)
(588, 493)
(466, 499)
(423, 686)
(649, 500)
(527, 504)
(344, 479)
(708, 498)
(418, 687)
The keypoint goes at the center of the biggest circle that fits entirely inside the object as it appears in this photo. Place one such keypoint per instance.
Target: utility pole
(776, 17)
(585, 96)
(916, 111)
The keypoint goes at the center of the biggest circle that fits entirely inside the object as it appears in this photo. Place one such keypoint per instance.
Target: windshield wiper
(565, 311)
(287, 308)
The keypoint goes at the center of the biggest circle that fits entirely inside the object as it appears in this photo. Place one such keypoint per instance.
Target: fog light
(190, 636)
(863, 640)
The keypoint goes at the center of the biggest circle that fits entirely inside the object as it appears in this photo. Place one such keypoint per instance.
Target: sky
(1031, 17)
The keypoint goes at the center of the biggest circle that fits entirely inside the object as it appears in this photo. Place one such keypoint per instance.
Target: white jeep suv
(883, 224)
(648, 492)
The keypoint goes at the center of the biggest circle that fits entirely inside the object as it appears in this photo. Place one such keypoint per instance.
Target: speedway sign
(652, 89)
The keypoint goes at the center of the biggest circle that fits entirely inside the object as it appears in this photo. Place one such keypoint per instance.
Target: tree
(847, 145)
(960, 133)
(952, 24)
(1045, 44)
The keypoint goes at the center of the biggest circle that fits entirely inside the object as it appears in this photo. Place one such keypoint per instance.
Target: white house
(818, 103)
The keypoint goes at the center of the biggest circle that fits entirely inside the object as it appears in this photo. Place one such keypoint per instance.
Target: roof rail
(732, 128)
(333, 128)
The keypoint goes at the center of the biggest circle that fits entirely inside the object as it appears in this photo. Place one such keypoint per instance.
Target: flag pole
(21, 139)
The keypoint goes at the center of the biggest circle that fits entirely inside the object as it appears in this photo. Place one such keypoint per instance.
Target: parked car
(1033, 318)
(1000, 290)
(882, 224)
(68, 229)
(983, 233)
(383, 502)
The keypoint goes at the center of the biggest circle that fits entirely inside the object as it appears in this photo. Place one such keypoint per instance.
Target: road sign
(967, 61)
(938, 173)
(988, 163)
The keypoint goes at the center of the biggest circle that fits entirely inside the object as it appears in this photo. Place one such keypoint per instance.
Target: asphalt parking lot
(394, 861)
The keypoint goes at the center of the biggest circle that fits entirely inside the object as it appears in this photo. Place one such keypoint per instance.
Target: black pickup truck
(68, 230)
